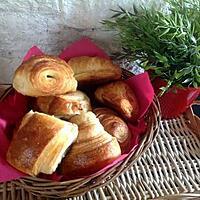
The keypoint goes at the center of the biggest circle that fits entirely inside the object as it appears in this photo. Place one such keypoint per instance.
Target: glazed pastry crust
(114, 125)
(93, 149)
(66, 105)
(94, 70)
(119, 96)
(44, 76)
(39, 143)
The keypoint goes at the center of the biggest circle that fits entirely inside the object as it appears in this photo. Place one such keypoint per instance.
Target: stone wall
(51, 25)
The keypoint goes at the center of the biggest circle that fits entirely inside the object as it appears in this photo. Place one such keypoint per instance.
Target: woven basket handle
(196, 102)
(194, 120)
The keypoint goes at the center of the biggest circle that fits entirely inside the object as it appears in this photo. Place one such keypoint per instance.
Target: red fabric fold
(82, 47)
(12, 109)
(143, 90)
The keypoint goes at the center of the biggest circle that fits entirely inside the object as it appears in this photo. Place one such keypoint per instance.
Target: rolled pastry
(66, 105)
(93, 70)
(114, 125)
(44, 76)
(119, 96)
(93, 149)
(40, 142)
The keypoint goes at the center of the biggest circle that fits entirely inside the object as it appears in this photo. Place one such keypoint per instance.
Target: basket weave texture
(80, 186)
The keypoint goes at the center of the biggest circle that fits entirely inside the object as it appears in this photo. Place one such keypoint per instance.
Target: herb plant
(166, 41)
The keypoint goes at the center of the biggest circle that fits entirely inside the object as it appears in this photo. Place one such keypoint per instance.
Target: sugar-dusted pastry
(93, 149)
(92, 70)
(66, 105)
(40, 142)
(44, 76)
(114, 125)
(119, 96)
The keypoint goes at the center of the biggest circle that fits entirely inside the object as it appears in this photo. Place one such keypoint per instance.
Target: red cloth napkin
(14, 106)
(143, 90)
(10, 113)
(82, 47)
(12, 109)
(33, 51)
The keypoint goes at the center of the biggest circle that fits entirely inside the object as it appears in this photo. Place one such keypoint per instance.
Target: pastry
(93, 70)
(44, 76)
(65, 105)
(119, 96)
(93, 149)
(114, 125)
(40, 142)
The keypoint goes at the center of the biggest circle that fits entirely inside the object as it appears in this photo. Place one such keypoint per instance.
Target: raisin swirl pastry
(44, 76)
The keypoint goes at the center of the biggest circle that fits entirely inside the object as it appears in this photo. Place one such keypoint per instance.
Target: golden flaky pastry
(114, 125)
(44, 76)
(119, 96)
(66, 105)
(93, 70)
(93, 149)
(40, 142)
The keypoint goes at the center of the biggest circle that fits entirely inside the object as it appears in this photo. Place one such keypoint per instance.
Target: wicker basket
(47, 188)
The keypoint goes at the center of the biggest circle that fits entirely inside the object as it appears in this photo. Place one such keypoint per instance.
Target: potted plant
(167, 43)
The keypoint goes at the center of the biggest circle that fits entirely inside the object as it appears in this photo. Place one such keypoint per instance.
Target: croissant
(93, 149)
(114, 125)
(92, 70)
(44, 76)
(119, 96)
(65, 105)
(40, 142)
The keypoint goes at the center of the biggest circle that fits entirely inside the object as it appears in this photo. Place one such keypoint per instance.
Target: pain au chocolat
(93, 70)
(40, 142)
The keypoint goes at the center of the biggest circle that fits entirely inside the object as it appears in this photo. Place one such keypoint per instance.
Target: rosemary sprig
(167, 42)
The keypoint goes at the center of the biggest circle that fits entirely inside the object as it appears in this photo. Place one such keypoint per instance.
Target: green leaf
(187, 80)
(161, 58)
(149, 68)
(195, 84)
(165, 32)
(193, 39)
(116, 15)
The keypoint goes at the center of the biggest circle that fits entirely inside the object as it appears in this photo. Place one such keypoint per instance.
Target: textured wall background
(51, 25)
